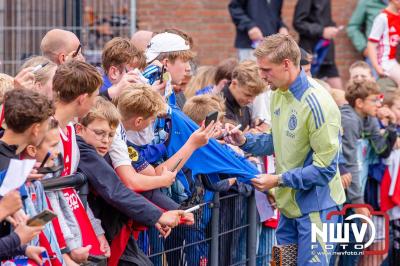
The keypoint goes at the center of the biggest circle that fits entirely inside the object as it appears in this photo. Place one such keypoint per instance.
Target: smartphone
(42, 218)
(45, 160)
(176, 165)
(161, 77)
(213, 116)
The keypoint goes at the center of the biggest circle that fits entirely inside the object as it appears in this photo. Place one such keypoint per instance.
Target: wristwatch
(280, 181)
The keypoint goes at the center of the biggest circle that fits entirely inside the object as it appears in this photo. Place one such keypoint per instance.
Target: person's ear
(81, 98)
(31, 151)
(359, 103)
(165, 62)
(222, 83)
(138, 121)
(234, 83)
(38, 86)
(286, 64)
(114, 73)
(61, 58)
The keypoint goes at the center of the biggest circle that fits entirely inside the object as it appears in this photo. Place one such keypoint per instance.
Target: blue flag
(213, 158)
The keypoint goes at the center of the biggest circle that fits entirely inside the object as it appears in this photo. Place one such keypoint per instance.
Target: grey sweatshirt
(355, 128)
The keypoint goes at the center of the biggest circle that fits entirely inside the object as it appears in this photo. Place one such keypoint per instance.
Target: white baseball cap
(165, 42)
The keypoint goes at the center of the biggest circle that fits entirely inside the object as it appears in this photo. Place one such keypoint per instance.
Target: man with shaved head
(60, 45)
(141, 39)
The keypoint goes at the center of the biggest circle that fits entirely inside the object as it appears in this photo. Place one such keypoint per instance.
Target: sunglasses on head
(77, 51)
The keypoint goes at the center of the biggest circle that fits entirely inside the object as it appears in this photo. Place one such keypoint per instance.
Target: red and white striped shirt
(386, 32)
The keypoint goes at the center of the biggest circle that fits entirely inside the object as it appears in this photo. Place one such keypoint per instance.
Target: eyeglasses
(101, 134)
(376, 100)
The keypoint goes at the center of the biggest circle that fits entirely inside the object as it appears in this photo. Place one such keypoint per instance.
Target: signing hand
(265, 181)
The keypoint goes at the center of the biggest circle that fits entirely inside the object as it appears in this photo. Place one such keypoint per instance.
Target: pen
(38, 67)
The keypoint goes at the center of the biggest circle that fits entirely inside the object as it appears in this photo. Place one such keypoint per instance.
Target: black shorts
(327, 71)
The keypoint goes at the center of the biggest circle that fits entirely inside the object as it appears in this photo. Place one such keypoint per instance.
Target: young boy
(360, 71)
(245, 86)
(119, 56)
(27, 115)
(139, 106)
(95, 133)
(383, 41)
(58, 204)
(75, 87)
(359, 121)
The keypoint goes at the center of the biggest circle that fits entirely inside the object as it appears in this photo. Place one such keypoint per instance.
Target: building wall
(210, 25)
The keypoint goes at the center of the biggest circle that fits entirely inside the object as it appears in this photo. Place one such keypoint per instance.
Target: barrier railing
(225, 232)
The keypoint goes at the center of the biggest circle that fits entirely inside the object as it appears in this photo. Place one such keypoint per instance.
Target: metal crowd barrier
(225, 232)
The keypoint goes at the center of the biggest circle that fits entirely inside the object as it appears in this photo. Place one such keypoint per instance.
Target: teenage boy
(245, 86)
(171, 52)
(383, 41)
(75, 87)
(27, 115)
(119, 59)
(95, 133)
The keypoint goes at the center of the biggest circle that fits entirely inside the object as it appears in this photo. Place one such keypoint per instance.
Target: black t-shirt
(7, 152)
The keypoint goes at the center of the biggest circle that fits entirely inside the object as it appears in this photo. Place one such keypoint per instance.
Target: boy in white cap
(168, 52)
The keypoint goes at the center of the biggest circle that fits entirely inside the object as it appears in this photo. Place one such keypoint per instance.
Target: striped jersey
(386, 31)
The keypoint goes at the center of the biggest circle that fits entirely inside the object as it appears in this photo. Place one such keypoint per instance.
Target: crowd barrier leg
(252, 231)
(215, 231)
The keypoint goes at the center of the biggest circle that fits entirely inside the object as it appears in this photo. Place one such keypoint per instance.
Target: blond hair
(360, 64)
(204, 77)
(246, 74)
(139, 100)
(198, 107)
(6, 84)
(42, 75)
(103, 110)
(279, 47)
(185, 56)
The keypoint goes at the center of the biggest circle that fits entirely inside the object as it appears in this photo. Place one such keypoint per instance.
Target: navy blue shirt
(247, 14)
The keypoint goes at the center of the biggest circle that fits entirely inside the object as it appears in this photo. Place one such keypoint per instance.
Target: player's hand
(265, 181)
(165, 231)
(346, 180)
(171, 218)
